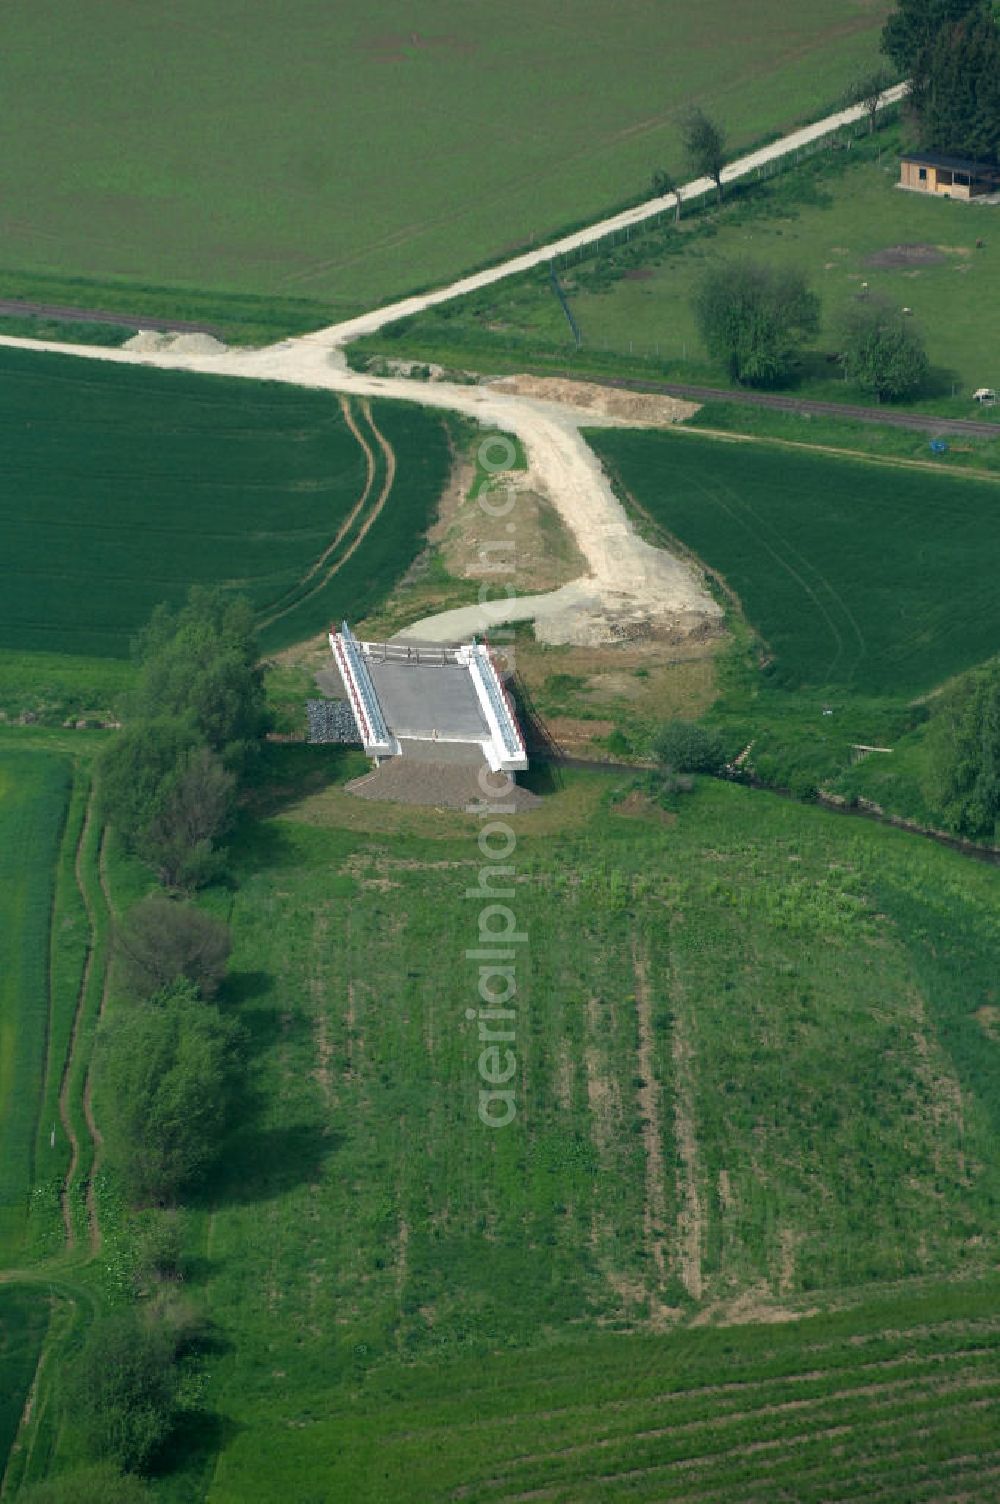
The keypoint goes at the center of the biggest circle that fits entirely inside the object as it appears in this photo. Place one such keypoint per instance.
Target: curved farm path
(628, 581)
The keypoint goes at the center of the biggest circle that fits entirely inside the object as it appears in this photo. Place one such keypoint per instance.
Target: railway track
(919, 422)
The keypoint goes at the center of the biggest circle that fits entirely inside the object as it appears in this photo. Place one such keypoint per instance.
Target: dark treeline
(167, 1060)
(950, 51)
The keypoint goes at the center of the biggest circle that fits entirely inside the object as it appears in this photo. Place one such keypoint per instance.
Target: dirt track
(631, 589)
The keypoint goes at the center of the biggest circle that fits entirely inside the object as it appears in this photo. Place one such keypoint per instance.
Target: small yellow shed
(949, 177)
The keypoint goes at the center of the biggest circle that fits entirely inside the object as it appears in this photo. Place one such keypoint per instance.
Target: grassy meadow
(128, 486)
(836, 215)
(752, 1076)
(345, 157)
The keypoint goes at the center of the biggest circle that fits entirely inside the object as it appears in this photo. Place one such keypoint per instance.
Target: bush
(123, 1390)
(101, 1484)
(962, 781)
(162, 941)
(685, 747)
(160, 1251)
(165, 1074)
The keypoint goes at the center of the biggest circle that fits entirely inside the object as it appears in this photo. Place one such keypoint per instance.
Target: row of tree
(167, 1067)
(950, 52)
(755, 317)
(167, 1060)
(168, 782)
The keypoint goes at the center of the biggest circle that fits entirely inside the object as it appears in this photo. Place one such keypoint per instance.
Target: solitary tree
(705, 144)
(663, 186)
(754, 317)
(962, 781)
(161, 941)
(869, 91)
(123, 1390)
(881, 350)
(165, 1069)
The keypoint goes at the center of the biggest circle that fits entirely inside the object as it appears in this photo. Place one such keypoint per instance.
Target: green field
(752, 1074)
(127, 486)
(865, 576)
(898, 1401)
(24, 1317)
(350, 155)
(34, 790)
(828, 216)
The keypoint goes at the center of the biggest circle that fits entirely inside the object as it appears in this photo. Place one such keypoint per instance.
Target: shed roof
(954, 164)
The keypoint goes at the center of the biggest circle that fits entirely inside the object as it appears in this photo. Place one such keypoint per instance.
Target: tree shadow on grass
(239, 987)
(286, 772)
(189, 1454)
(258, 1164)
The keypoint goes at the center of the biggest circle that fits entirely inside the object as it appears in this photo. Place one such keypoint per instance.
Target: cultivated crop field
(34, 789)
(23, 1319)
(750, 1076)
(869, 576)
(898, 1400)
(128, 486)
(350, 155)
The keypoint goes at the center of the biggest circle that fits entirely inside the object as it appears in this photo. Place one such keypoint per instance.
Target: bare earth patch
(639, 806)
(655, 1212)
(539, 553)
(691, 1215)
(988, 1018)
(642, 408)
(895, 256)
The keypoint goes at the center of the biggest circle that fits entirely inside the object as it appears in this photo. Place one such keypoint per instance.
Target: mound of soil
(905, 255)
(151, 340)
(644, 408)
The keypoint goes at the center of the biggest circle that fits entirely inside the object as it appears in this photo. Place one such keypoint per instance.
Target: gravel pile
(332, 721)
(151, 341)
(409, 780)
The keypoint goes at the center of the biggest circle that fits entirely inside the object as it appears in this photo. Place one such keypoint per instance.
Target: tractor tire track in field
(284, 604)
(655, 1209)
(65, 1116)
(691, 1213)
(96, 1136)
(368, 520)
